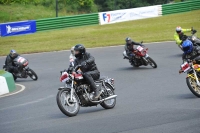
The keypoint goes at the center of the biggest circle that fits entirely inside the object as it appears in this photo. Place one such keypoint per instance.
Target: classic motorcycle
(141, 57)
(76, 92)
(193, 76)
(24, 70)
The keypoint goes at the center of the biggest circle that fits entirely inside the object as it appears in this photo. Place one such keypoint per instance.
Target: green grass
(148, 30)
(2, 72)
(17, 12)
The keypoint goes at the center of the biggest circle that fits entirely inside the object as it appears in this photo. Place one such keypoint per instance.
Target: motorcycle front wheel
(152, 62)
(32, 74)
(192, 85)
(66, 105)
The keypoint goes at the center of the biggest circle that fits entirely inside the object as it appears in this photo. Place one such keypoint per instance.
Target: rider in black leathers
(129, 47)
(9, 64)
(88, 67)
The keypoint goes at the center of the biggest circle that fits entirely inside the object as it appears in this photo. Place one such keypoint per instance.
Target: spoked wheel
(32, 74)
(66, 105)
(109, 104)
(192, 85)
(152, 62)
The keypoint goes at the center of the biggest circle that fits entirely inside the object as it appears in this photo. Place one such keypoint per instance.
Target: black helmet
(128, 40)
(81, 50)
(13, 53)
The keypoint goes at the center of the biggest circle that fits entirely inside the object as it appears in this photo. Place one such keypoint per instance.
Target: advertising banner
(17, 28)
(128, 14)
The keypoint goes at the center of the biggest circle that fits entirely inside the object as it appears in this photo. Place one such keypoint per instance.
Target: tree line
(89, 6)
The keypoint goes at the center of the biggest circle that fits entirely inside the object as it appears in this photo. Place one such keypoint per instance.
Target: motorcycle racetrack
(149, 100)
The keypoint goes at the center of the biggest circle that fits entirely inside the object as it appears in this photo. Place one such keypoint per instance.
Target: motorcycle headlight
(194, 38)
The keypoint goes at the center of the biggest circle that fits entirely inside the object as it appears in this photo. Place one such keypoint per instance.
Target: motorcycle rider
(179, 34)
(88, 67)
(72, 57)
(190, 52)
(9, 64)
(129, 48)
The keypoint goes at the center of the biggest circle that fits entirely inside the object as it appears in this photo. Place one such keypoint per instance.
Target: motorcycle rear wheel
(152, 62)
(66, 106)
(192, 85)
(109, 104)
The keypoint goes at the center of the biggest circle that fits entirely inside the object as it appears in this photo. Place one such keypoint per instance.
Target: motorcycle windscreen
(21, 61)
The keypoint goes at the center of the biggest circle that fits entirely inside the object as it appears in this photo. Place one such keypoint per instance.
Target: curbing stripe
(3, 86)
(22, 89)
(10, 81)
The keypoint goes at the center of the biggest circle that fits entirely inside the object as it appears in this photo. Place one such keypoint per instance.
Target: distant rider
(129, 48)
(88, 67)
(9, 64)
(72, 57)
(179, 34)
(190, 52)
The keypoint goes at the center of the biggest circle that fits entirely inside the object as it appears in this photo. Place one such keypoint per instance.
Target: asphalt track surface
(149, 100)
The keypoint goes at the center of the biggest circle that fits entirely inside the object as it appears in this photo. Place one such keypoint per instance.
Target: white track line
(22, 89)
(28, 103)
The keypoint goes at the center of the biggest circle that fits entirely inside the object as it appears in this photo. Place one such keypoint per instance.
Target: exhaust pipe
(107, 98)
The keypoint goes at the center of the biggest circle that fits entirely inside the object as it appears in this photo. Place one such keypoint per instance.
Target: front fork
(145, 58)
(72, 91)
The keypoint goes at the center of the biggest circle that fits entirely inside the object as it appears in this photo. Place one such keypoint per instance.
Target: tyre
(134, 65)
(109, 104)
(32, 74)
(67, 107)
(192, 85)
(152, 62)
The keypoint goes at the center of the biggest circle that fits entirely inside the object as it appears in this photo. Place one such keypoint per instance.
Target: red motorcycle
(141, 57)
(77, 92)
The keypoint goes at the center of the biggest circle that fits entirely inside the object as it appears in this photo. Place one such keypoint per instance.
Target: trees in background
(89, 6)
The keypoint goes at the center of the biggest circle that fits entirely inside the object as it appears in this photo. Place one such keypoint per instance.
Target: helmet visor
(76, 52)
(13, 55)
(186, 49)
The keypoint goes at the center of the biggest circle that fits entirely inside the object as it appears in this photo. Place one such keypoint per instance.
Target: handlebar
(77, 67)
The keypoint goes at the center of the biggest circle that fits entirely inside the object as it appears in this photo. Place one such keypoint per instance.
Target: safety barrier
(180, 7)
(69, 21)
(104, 17)
(7, 83)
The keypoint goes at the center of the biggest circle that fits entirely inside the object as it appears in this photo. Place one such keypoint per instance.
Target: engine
(82, 95)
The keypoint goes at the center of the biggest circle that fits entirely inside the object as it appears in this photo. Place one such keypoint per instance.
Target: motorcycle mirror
(141, 41)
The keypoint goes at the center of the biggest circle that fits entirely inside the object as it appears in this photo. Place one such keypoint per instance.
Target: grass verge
(148, 30)
(2, 72)
(18, 12)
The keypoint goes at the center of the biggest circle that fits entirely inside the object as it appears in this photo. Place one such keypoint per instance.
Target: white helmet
(178, 29)
(72, 50)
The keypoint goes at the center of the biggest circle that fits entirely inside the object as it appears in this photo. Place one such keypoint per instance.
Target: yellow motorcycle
(193, 76)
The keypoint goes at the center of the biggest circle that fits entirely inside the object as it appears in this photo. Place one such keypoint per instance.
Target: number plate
(140, 48)
(185, 67)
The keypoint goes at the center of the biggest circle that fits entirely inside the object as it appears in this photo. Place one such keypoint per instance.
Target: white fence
(129, 14)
